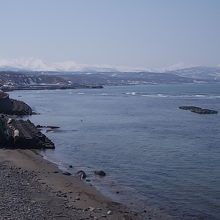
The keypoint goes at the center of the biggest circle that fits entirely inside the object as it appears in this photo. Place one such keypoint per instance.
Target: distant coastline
(48, 87)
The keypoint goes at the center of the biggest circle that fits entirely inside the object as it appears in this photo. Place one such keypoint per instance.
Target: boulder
(81, 174)
(100, 173)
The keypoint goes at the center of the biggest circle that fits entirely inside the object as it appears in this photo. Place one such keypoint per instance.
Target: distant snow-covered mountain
(19, 77)
(124, 78)
(199, 73)
(70, 67)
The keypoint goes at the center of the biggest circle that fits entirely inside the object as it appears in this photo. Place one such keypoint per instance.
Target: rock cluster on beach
(198, 110)
(16, 133)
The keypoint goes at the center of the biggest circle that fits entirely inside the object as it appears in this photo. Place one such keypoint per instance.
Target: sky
(123, 33)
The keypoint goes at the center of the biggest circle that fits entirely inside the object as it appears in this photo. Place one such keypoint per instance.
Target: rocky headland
(21, 134)
(17, 133)
(13, 107)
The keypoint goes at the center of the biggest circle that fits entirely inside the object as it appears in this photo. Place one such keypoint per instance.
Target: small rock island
(198, 110)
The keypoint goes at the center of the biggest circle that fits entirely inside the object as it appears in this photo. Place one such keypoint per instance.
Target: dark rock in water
(70, 166)
(67, 173)
(198, 110)
(48, 126)
(100, 173)
(13, 107)
(35, 113)
(21, 134)
(81, 174)
(50, 130)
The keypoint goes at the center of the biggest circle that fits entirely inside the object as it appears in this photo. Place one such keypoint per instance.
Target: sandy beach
(33, 188)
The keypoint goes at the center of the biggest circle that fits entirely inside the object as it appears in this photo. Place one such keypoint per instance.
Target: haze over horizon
(145, 35)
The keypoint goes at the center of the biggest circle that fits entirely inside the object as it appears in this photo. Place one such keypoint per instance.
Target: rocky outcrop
(82, 175)
(198, 110)
(21, 134)
(13, 107)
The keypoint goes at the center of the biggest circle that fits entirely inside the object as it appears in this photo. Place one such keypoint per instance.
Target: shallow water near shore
(154, 154)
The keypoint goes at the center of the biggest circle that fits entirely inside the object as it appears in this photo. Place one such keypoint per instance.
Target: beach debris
(81, 174)
(109, 212)
(91, 209)
(77, 198)
(100, 173)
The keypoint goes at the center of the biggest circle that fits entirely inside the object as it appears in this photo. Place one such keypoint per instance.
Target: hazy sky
(135, 33)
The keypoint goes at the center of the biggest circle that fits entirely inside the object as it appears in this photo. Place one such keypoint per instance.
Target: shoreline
(65, 188)
(77, 195)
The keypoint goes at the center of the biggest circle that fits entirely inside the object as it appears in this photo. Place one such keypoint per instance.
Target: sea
(155, 155)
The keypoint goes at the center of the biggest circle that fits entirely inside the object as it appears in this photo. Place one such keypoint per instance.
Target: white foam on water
(104, 94)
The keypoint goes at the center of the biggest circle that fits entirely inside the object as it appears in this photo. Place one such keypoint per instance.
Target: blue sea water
(154, 154)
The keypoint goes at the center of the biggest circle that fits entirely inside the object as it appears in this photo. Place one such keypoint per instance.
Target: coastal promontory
(17, 133)
(13, 107)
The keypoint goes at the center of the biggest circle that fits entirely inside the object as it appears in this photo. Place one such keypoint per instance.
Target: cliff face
(3, 131)
(5, 103)
(13, 107)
